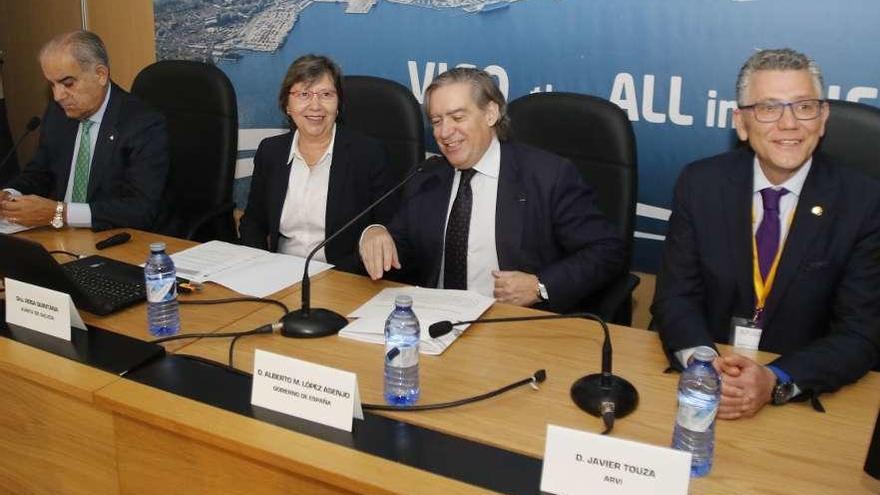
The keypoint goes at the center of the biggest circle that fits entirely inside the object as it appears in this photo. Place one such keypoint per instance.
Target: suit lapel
(508, 213)
(107, 139)
(70, 128)
(434, 191)
(818, 191)
(279, 182)
(737, 201)
(339, 174)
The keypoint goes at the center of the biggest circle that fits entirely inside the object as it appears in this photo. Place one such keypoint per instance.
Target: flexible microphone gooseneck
(600, 394)
(308, 322)
(30, 127)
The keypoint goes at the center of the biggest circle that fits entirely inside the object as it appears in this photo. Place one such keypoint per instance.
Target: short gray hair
(484, 91)
(85, 46)
(776, 59)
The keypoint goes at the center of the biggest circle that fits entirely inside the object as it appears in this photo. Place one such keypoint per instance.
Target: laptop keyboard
(102, 287)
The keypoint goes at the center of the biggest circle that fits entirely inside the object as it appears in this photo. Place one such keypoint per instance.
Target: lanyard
(763, 287)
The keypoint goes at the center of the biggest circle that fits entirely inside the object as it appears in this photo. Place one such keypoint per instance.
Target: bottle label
(408, 356)
(695, 418)
(161, 290)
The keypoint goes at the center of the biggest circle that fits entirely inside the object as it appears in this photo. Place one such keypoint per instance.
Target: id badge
(744, 334)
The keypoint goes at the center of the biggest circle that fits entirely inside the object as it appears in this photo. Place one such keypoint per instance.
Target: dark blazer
(546, 223)
(359, 174)
(823, 314)
(129, 162)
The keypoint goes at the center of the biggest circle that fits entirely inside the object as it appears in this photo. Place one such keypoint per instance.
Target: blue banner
(671, 65)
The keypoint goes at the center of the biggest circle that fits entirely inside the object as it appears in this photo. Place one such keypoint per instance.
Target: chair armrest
(614, 298)
(197, 223)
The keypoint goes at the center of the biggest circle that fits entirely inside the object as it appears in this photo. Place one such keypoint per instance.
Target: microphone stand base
(590, 391)
(315, 323)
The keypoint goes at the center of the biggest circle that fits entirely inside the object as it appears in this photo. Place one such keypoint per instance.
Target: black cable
(232, 349)
(235, 300)
(68, 253)
(215, 335)
(538, 377)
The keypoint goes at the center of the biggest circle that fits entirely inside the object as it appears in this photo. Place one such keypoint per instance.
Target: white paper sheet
(244, 269)
(429, 305)
(11, 228)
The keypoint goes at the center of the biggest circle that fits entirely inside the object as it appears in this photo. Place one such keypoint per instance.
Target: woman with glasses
(309, 182)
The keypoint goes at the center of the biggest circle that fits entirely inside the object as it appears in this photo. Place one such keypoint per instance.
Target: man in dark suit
(102, 158)
(774, 248)
(503, 219)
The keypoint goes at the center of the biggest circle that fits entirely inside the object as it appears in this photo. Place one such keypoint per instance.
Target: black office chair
(852, 136)
(387, 111)
(199, 103)
(597, 136)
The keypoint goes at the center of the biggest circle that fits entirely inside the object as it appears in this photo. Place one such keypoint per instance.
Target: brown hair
(309, 68)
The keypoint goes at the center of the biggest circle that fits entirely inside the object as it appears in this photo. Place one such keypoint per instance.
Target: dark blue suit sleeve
(852, 346)
(134, 195)
(679, 298)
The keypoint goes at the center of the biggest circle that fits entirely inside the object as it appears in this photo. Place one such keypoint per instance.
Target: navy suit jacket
(546, 223)
(823, 314)
(129, 163)
(359, 174)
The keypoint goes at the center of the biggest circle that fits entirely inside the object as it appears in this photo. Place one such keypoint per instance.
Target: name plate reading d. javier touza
(43, 310)
(577, 462)
(306, 390)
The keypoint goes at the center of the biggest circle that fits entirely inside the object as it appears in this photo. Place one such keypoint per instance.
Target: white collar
(294, 147)
(794, 184)
(490, 163)
(98, 116)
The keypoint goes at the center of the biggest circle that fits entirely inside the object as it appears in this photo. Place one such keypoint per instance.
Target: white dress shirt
(482, 256)
(304, 213)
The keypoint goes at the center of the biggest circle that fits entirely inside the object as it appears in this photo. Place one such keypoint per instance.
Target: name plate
(577, 462)
(306, 390)
(43, 310)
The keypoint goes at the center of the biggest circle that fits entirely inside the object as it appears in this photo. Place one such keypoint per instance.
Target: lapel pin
(112, 137)
(817, 210)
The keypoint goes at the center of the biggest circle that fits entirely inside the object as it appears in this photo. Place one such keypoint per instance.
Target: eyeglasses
(305, 96)
(771, 111)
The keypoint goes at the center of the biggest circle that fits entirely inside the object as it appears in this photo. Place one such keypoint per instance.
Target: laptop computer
(97, 284)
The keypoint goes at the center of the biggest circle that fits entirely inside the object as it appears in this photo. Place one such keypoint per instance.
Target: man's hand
(378, 252)
(30, 210)
(517, 288)
(746, 386)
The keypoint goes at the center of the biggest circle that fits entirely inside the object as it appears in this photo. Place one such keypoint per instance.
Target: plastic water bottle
(402, 334)
(699, 393)
(160, 276)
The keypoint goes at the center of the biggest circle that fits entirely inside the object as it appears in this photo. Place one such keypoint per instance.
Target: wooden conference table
(69, 428)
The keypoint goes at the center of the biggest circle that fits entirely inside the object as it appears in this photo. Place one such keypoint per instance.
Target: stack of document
(429, 305)
(247, 270)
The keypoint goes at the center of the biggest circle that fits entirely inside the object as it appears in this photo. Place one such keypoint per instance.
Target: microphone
(30, 127)
(308, 322)
(604, 394)
(113, 240)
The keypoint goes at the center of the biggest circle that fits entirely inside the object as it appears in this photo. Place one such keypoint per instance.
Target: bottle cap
(403, 300)
(705, 353)
(156, 247)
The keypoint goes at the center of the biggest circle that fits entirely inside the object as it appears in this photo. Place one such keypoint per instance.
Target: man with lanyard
(774, 248)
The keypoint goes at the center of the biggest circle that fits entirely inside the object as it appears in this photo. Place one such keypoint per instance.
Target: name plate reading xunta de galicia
(577, 462)
(43, 310)
(306, 390)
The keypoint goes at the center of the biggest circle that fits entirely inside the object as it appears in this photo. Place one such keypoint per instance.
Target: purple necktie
(767, 236)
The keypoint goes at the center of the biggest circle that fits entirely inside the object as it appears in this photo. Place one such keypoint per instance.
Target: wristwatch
(784, 389)
(58, 219)
(542, 292)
